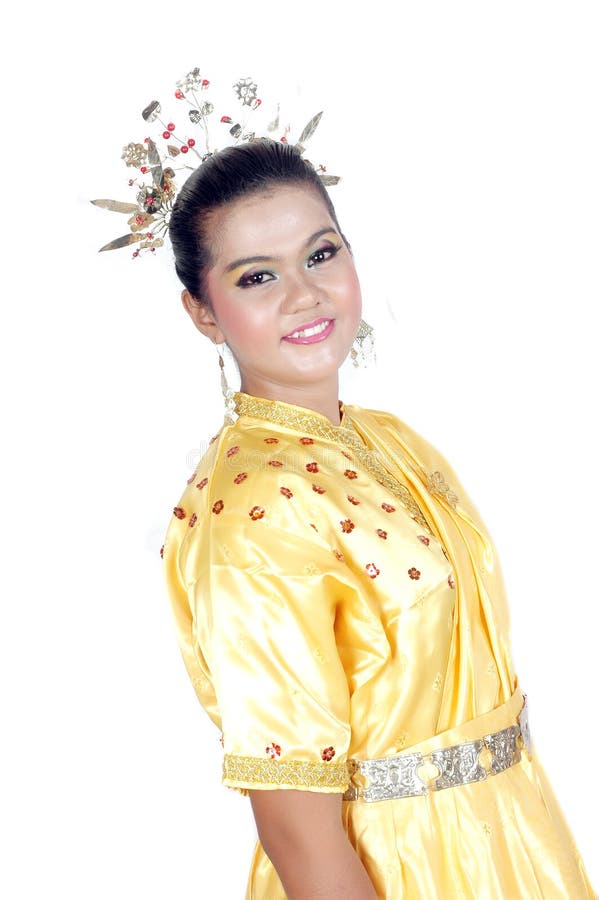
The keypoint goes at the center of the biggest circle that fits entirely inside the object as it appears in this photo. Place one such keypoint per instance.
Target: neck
(320, 398)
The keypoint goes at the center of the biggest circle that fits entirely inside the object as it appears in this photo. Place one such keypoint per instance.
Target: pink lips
(313, 338)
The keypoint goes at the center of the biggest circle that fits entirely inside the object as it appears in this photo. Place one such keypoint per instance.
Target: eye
(322, 255)
(254, 278)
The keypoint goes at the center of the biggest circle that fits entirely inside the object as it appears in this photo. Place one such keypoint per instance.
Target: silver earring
(224, 386)
(363, 353)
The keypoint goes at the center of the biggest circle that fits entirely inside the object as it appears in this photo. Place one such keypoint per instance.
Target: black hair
(226, 176)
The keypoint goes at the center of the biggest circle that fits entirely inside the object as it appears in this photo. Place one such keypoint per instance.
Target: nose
(301, 293)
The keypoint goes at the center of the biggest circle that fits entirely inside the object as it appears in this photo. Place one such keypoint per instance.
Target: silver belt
(392, 777)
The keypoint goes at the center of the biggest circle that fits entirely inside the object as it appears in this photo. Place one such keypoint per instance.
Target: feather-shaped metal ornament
(155, 164)
(274, 124)
(308, 131)
(329, 180)
(116, 206)
(125, 241)
(151, 111)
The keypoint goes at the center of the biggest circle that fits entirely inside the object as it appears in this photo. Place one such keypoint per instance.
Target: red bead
(149, 235)
(226, 119)
(152, 249)
(283, 140)
(146, 140)
(191, 142)
(143, 170)
(139, 220)
(205, 82)
(184, 148)
(136, 253)
(166, 134)
(257, 102)
(171, 126)
(179, 94)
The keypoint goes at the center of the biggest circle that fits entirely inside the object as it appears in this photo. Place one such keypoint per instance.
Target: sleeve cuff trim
(249, 771)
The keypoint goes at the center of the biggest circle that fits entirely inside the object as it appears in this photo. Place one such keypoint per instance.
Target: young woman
(338, 600)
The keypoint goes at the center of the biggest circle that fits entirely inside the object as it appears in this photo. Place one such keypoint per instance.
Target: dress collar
(288, 414)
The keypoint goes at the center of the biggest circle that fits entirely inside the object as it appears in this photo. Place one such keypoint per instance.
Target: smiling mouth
(316, 332)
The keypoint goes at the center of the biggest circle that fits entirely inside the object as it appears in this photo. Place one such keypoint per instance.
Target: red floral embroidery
(286, 492)
(193, 520)
(275, 462)
(346, 454)
(450, 581)
(256, 512)
(273, 750)
(372, 570)
(349, 473)
(218, 507)
(382, 534)
(318, 489)
(239, 478)
(202, 484)
(232, 451)
(414, 573)
(328, 753)
(179, 512)
(214, 437)
(271, 440)
(190, 479)
(306, 441)
(162, 552)
(424, 539)
(353, 500)
(347, 525)
(338, 555)
(312, 467)
(387, 507)
(312, 525)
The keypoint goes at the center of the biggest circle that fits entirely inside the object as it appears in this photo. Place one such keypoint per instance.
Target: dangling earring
(224, 386)
(364, 352)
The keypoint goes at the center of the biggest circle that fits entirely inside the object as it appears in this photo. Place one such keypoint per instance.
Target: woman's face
(284, 291)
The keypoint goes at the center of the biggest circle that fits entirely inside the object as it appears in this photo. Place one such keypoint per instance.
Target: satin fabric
(320, 619)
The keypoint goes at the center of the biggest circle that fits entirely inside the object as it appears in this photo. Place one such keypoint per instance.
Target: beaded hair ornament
(164, 158)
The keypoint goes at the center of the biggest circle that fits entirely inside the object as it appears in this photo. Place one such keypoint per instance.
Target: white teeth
(308, 332)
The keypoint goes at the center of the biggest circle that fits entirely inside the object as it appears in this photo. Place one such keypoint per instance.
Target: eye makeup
(252, 279)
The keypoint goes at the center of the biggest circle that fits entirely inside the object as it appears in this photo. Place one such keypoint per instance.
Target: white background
(467, 138)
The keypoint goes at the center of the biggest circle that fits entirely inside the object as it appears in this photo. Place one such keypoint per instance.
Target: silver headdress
(162, 161)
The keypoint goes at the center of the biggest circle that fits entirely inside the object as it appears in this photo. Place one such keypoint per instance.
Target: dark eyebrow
(253, 259)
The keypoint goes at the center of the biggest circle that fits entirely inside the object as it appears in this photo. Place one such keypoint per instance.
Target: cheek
(242, 321)
(349, 288)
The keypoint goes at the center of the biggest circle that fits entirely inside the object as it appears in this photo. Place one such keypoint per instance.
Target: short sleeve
(264, 606)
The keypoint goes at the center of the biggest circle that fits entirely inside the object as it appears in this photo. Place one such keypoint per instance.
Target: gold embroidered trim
(438, 485)
(314, 423)
(252, 770)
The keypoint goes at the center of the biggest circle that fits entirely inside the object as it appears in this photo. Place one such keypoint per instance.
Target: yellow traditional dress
(338, 599)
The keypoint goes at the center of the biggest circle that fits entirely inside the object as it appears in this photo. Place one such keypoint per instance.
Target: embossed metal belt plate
(392, 777)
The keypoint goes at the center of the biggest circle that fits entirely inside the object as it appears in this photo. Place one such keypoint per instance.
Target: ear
(203, 317)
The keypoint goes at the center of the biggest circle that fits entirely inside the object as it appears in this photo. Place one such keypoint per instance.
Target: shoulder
(251, 489)
(389, 425)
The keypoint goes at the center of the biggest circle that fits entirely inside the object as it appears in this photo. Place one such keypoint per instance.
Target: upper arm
(265, 609)
(295, 817)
